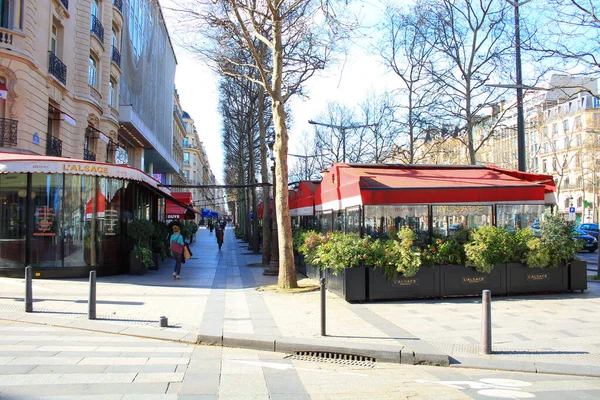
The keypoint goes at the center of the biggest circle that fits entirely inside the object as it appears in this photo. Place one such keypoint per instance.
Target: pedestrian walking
(176, 247)
(220, 233)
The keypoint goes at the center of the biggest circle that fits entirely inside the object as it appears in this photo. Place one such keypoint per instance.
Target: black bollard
(486, 323)
(163, 322)
(323, 298)
(28, 290)
(92, 297)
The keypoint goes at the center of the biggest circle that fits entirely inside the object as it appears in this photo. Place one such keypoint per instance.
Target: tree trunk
(264, 171)
(287, 270)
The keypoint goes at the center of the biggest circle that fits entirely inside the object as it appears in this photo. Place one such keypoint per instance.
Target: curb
(390, 353)
(526, 366)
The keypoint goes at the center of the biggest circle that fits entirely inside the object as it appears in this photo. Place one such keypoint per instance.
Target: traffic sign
(572, 210)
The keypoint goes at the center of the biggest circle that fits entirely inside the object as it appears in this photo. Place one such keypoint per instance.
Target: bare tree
(469, 51)
(303, 165)
(568, 36)
(299, 37)
(377, 116)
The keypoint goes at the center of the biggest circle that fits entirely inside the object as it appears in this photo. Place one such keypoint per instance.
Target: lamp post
(343, 130)
(273, 268)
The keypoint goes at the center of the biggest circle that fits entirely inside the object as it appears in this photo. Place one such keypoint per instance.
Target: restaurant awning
(25, 163)
(304, 199)
(347, 185)
(177, 209)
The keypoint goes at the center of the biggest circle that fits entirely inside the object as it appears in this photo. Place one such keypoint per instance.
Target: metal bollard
(28, 290)
(164, 321)
(486, 323)
(92, 297)
(323, 298)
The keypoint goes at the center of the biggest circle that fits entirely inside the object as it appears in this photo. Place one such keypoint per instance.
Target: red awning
(346, 185)
(304, 199)
(175, 210)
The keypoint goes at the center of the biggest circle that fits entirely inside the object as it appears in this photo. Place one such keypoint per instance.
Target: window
(566, 125)
(596, 102)
(115, 39)
(92, 71)
(54, 39)
(94, 12)
(186, 158)
(111, 93)
(555, 129)
(579, 202)
(567, 143)
(578, 122)
(567, 183)
(185, 142)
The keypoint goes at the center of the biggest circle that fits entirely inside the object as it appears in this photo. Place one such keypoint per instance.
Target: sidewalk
(216, 303)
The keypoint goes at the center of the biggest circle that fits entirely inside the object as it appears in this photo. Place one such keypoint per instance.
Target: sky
(346, 82)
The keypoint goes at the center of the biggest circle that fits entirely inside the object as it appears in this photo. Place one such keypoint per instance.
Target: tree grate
(335, 358)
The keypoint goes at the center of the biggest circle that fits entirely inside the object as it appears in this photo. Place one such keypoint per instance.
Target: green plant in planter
(140, 231)
(489, 246)
(557, 238)
(526, 248)
(399, 256)
(312, 241)
(145, 254)
(444, 251)
(298, 238)
(160, 239)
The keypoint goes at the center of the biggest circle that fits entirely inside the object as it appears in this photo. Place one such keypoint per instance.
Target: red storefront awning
(346, 185)
(176, 210)
(304, 199)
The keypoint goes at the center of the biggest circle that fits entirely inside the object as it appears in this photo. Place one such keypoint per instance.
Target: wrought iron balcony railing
(116, 56)
(57, 68)
(65, 3)
(97, 28)
(54, 147)
(118, 5)
(8, 132)
(88, 155)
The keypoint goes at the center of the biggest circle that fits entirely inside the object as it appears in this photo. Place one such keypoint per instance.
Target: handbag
(186, 252)
(176, 247)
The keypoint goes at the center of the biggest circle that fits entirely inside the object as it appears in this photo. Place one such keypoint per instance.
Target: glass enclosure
(382, 218)
(62, 220)
(449, 218)
(519, 215)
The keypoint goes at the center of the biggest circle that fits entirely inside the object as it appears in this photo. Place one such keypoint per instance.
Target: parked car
(590, 229)
(536, 228)
(590, 243)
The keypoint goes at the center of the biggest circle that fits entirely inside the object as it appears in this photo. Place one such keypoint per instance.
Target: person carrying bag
(176, 248)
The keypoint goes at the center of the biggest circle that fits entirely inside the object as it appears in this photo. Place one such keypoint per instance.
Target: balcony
(97, 28)
(54, 147)
(88, 155)
(116, 56)
(118, 4)
(57, 68)
(6, 38)
(8, 132)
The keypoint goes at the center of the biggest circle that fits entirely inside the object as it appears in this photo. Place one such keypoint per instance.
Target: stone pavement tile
(128, 388)
(75, 347)
(113, 361)
(82, 354)
(28, 379)
(240, 368)
(27, 353)
(152, 354)
(68, 369)
(37, 391)
(143, 377)
(199, 397)
(44, 361)
(16, 369)
(140, 368)
(169, 396)
(205, 383)
(285, 383)
(167, 360)
(251, 385)
(203, 366)
(289, 396)
(98, 378)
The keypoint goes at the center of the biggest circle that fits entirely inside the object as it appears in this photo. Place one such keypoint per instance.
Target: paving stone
(128, 388)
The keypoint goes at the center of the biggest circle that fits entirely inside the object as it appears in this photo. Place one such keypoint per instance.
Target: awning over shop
(346, 185)
(177, 210)
(25, 163)
(303, 200)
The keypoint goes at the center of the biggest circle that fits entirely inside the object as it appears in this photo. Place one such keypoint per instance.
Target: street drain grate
(335, 358)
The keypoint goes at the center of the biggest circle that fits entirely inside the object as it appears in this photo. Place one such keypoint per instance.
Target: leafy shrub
(489, 246)
(145, 254)
(399, 256)
(140, 230)
(557, 238)
(448, 251)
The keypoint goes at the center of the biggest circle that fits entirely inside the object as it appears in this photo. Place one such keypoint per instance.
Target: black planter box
(458, 280)
(350, 284)
(426, 283)
(312, 272)
(521, 279)
(300, 264)
(578, 275)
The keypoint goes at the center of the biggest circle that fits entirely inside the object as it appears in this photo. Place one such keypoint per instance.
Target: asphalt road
(591, 259)
(44, 362)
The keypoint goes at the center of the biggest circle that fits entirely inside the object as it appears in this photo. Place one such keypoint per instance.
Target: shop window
(447, 219)
(13, 229)
(518, 216)
(352, 221)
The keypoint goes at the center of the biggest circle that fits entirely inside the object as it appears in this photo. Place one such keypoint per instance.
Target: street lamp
(343, 130)
(520, 117)
(273, 268)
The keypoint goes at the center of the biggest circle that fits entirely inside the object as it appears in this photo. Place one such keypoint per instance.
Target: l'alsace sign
(77, 168)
